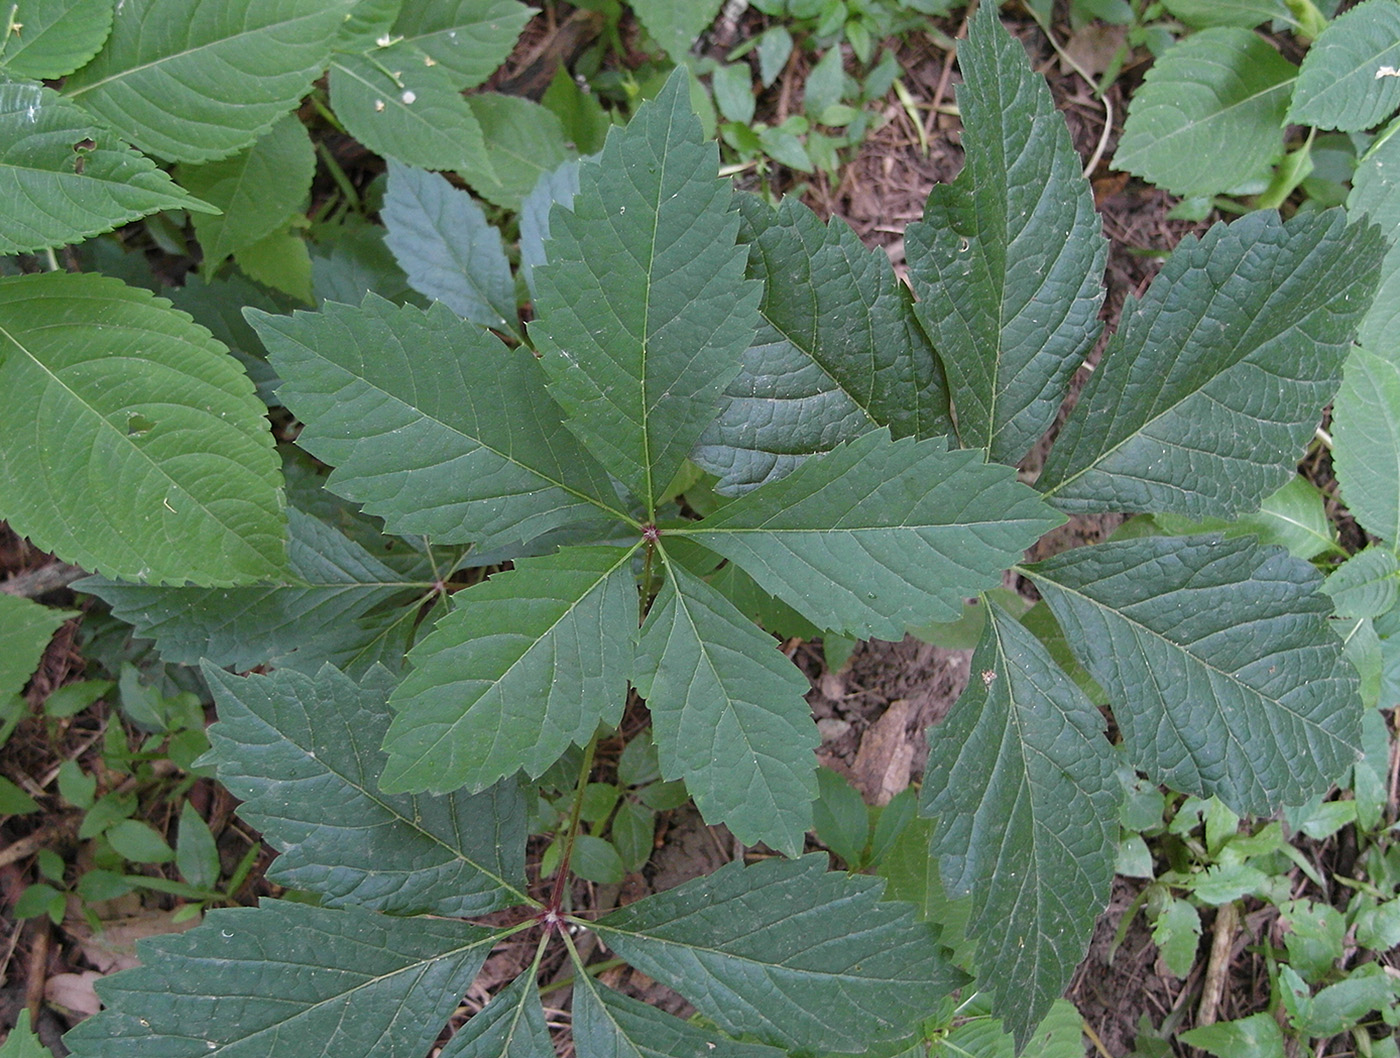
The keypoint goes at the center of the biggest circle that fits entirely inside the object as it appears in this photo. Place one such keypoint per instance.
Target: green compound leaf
(510, 1026)
(266, 980)
(676, 24)
(1209, 115)
(642, 311)
(879, 535)
(1022, 781)
(303, 756)
(1366, 442)
(133, 411)
(257, 189)
(608, 1024)
(25, 631)
(330, 582)
(1209, 391)
(468, 38)
(55, 36)
(838, 352)
(441, 239)
(1366, 585)
(398, 105)
(1350, 77)
(432, 423)
(1217, 658)
(526, 664)
(63, 177)
(728, 714)
(1008, 261)
(195, 80)
(788, 952)
(1375, 196)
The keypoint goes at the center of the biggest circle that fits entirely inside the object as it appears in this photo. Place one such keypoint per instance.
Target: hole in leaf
(137, 425)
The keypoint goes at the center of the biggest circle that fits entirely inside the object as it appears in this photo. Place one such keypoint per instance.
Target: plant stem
(561, 883)
(592, 970)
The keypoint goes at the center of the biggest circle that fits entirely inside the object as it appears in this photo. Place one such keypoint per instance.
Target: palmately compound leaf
(54, 37)
(1208, 393)
(1008, 260)
(258, 189)
(838, 352)
(468, 38)
(330, 582)
(511, 1025)
(1350, 77)
(1223, 675)
(527, 663)
(1209, 115)
(432, 423)
(1022, 781)
(64, 177)
(1375, 198)
(441, 239)
(642, 309)
(608, 1024)
(194, 80)
(878, 536)
(266, 980)
(789, 952)
(1366, 442)
(401, 104)
(142, 451)
(302, 753)
(25, 630)
(728, 714)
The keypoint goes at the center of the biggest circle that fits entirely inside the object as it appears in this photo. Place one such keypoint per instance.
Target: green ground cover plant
(717, 411)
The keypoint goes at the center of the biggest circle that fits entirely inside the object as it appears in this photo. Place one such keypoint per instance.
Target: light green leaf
(442, 241)
(268, 979)
(1209, 115)
(1022, 781)
(510, 1026)
(1060, 1035)
(53, 37)
(196, 854)
(133, 411)
(366, 23)
(1008, 260)
(330, 582)
(1350, 77)
(676, 24)
(138, 842)
(22, 1042)
(788, 952)
(194, 80)
(401, 105)
(879, 535)
(281, 261)
(1177, 934)
(642, 311)
(1210, 390)
(1375, 196)
(432, 423)
(728, 714)
(63, 177)
(14, 801)
(526, 664)
(1294, 517)
(1201, 14)
(1216, 655)
(303, 756)
(524, 141)
(1366, 585)
(1366, 442)
(608, 1024)
(838, 352)
(257, 189)
(25, 631)
(468, 38)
